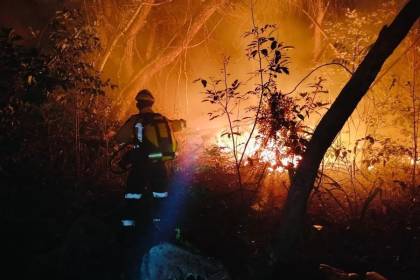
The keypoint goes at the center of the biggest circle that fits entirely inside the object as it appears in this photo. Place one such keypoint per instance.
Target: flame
(278, 158)
(412, 161)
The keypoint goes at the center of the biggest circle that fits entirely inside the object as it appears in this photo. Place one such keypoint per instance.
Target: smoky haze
(221, 35)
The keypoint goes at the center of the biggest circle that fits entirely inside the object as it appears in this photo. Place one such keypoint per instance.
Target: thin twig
(315, 69)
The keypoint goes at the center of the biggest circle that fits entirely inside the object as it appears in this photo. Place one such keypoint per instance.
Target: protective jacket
(150, 134)
(126, 135)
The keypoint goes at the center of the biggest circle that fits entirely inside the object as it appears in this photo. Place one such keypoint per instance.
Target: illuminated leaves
(280, 118)
(352, 34)
(283, 118)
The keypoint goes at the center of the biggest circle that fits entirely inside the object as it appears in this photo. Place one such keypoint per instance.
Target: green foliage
(24, 72)
(52, 98)
(71, 42)
(53, 116)
(58, 62)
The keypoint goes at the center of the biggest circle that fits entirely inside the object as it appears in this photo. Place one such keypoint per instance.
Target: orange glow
(268, 153)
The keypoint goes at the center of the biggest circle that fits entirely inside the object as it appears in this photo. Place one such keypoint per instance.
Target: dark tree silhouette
(332, 122)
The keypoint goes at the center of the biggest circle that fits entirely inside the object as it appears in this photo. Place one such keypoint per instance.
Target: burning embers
(278, 158)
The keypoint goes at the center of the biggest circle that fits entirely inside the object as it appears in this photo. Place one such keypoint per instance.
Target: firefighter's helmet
(145, 95)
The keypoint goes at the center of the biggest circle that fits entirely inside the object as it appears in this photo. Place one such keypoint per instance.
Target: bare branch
(137, 21)
(150, 69)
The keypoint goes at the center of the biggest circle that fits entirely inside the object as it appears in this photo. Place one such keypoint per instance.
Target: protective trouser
(147, 190)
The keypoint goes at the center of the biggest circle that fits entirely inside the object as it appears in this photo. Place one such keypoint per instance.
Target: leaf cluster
(382, 151)
(52, 99)
(264, 47)
(279, 117)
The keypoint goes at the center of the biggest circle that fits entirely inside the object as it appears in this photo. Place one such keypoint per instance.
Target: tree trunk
(128, 57)
(151, 43)
(181, 42)
(321, 10)
(330, 125)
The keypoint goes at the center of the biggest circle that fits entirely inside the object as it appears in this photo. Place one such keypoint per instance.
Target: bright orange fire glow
(277, 158)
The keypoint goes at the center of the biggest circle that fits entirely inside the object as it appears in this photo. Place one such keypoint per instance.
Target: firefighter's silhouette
(153, 144)
(150, 136)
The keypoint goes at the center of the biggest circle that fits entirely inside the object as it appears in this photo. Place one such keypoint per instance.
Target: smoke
(176, 94)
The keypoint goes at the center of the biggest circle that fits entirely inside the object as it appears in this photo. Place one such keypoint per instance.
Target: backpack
(154, 137)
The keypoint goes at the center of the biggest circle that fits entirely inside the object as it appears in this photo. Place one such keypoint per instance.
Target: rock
(332, 273)
(372, 275)
(168, 261)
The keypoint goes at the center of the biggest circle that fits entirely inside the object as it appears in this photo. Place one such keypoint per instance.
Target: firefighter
(151, 135)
